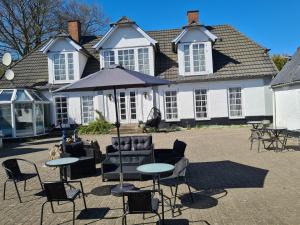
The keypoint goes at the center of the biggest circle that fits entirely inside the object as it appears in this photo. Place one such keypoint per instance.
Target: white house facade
(217, 74)
(286, 95)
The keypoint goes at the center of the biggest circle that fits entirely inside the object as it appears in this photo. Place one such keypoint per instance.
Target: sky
(272, 24)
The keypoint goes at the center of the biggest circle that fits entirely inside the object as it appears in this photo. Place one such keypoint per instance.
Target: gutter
(286, 84)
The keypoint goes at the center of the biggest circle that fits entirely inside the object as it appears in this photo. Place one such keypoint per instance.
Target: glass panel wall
(39, 118)
(23, 119)
(5, 120)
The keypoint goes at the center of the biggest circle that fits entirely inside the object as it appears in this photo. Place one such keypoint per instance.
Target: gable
(125, 36)
(61, 45)
(194, 35)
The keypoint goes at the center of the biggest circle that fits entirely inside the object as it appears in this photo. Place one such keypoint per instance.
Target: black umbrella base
(118, 190)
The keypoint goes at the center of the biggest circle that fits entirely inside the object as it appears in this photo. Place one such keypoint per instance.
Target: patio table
(255, 124)
(155, 169)
(62, 163)
(277, 132)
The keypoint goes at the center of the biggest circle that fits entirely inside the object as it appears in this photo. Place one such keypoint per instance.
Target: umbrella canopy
(115, 77)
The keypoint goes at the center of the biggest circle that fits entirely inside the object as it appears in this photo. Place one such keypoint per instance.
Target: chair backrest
(125, 143)
(139, 201)
(55, 191)
(141, 142)
(74, 149)
(12, 168)
(180, 167)
(179, 147)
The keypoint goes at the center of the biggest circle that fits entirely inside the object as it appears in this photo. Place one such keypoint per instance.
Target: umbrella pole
(118, 134)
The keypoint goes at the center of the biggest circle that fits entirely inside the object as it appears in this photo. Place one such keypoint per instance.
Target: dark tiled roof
(234, 56)
(290, 73)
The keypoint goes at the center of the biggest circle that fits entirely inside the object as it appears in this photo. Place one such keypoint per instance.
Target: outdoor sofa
(135, 150)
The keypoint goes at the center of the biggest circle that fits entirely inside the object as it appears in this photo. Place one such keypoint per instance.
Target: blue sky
(273, 24)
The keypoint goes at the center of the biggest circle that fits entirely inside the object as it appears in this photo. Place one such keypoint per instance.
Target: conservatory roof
(21, 95)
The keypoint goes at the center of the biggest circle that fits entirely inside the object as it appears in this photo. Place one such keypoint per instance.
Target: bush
(99, 126)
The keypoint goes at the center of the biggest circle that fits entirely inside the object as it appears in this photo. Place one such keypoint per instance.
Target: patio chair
(261, 136)
(14, 174)
(57, 192)
(177, 178)
(141, 202)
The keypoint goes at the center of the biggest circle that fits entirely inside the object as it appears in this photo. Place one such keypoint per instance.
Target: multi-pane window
(126, 58)
(201, 103)
(187, 64)
(198, 57)
(171, 105)
(87, 109)
(122, 102)
(132, 101)
(235, 102)
(70, 66)
(63, 66)
(109, 58)
(61, 107)
(143, 60)
(59, 67)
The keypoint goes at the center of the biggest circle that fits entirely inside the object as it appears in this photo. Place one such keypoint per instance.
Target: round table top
(155, 168)
(254, 122)
(62, 161)
(275, 128)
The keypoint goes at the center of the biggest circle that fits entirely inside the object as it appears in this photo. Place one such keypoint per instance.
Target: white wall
(253, 98)
(287, 107)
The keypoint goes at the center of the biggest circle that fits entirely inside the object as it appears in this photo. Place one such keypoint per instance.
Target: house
(286, 94)
(218, 75)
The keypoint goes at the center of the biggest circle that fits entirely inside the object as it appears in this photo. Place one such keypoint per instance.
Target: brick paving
(230, 183)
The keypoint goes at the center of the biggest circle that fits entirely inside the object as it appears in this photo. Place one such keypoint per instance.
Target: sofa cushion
(74, 149)
(125, 143)
(141, 142)
(179, 147)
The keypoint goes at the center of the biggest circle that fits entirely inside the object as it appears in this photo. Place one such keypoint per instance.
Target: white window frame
(136, 62)
(55, 108)
(66, 67)
(81, 106)
(165, 106)
(207, 104)
(109, 61)
(242, 103)
(208, 59)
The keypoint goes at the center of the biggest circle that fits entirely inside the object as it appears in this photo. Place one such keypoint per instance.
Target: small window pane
(171, 105)
(70, 66)
(87, 104)
(201, 103)
(198, 57)
(186, 51)
(109, 58)
(126, 59)
(143, 60)
(235, 102)
(6, 95)
(22, 96)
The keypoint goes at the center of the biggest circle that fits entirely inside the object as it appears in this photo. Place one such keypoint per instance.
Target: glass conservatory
(23, 113)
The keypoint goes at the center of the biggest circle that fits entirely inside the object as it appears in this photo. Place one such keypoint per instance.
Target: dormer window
(195, 58)
(109, 58)
(63, 67)
(138, 59)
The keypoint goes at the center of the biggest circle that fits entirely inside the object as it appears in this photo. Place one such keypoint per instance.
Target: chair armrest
(110, 149)
(64, 154)
(90, 152)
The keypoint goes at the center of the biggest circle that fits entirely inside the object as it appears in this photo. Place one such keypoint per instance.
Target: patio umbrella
(113, 78)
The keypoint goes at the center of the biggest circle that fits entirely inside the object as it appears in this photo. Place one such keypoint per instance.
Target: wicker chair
(57, 192)
(141, 202)
(14, 174)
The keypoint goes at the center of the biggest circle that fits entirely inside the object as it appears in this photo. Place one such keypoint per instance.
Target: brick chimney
(74, 29)
(193, 16)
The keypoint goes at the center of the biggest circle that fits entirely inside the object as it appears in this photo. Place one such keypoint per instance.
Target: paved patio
(231, 184)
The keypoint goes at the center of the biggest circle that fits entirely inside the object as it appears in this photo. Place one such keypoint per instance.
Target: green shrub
(99, 126)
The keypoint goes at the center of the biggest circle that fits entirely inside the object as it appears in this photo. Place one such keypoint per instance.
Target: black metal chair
(177, 178)
(142, 202)
(57, 192)
(14, 174)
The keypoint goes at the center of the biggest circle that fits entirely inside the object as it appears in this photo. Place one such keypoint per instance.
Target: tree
(280, 61)
(24, 24)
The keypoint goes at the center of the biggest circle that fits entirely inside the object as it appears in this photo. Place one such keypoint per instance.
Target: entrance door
(127, 107)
